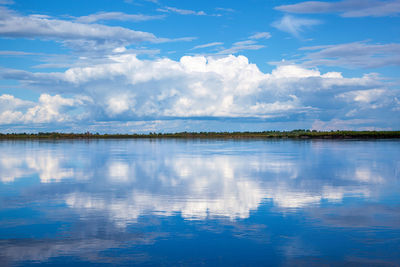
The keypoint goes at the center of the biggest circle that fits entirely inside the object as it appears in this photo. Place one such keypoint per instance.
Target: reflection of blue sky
(115, 185)
(138, 178)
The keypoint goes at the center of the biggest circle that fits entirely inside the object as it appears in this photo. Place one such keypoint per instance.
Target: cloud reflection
(48, 165)
(195, 186)
(111, 193)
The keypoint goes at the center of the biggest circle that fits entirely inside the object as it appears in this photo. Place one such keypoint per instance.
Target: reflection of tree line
(295, 134)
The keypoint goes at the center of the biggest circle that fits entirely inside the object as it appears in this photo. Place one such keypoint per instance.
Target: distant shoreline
(295, 134)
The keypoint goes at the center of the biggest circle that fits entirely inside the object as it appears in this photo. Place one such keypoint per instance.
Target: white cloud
(261, 35)
(119, 104)
(364, 96)
(294, 25)
(15, 25)
(10, 108)
(244, 43)
(250, 44)
(79, 36)
(126, 88)
(354, 55)
(240, 46)
(346, 8)
(349, 124)
(16, 53)
(132, 1)
(207, 45)
(181, 11)
(9, 102)
(101, 16)
(48, 109)
(7, 2)
(294, 71)
(231, 10)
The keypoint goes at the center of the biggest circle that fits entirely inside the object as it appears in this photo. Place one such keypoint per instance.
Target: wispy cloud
(261, 35)
(225, 9)
(15, 25)
(16, 53)
(250, 44)
(354, 55)
(79, 36)
(207, 45)
(181, 11)
(132, 1)
(294, 25)
(240, 46)
(101, 16)
(346, 8)
(247, 42)
(7, 2)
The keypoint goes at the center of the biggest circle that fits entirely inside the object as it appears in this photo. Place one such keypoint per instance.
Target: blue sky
(167, 66)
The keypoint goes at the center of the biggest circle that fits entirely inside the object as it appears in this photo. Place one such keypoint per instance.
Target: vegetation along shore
(295, 134)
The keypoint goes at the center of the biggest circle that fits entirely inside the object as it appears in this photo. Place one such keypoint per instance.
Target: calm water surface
(179, 202)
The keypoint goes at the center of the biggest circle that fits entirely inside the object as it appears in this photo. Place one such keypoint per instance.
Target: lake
(200, 202)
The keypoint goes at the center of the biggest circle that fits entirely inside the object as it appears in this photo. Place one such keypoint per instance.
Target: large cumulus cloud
(126, 88)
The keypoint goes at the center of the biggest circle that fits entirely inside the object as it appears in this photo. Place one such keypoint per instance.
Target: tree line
(294, 134)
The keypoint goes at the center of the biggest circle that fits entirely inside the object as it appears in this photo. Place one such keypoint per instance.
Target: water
(191, 203)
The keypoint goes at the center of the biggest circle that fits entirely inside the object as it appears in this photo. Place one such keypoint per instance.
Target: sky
(139, 66)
